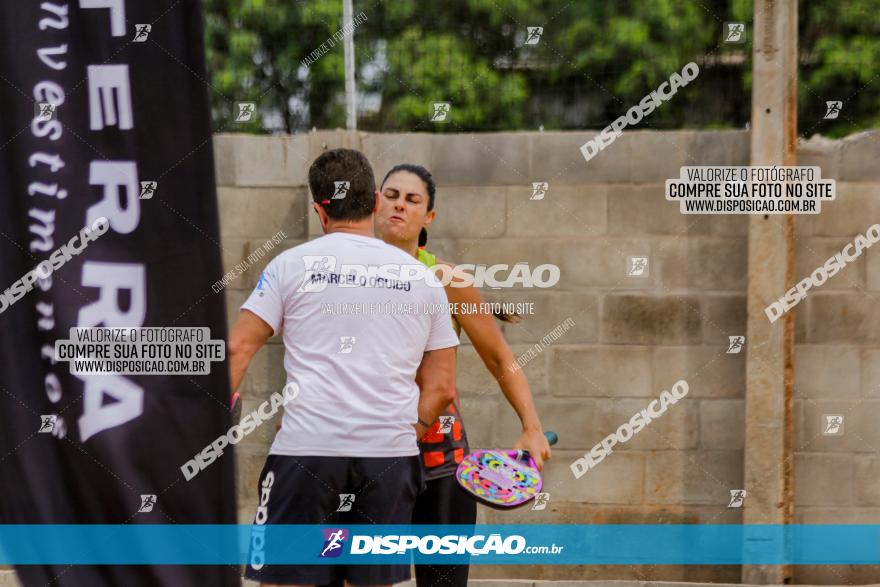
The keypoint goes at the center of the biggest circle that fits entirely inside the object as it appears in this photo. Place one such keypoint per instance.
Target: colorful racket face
(500, 478)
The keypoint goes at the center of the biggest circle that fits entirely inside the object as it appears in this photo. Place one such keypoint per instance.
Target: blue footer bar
(519, 544)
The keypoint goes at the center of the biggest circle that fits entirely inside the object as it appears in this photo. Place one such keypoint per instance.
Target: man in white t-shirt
(372, 376)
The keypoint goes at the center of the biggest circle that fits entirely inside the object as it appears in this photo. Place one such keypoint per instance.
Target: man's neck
(362, 228)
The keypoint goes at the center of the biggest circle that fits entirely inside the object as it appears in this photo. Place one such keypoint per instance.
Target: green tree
(840, 49)
(428, 68)
(594, 60)
(254, 48)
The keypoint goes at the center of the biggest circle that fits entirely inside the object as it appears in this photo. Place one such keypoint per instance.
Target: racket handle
(552, 438)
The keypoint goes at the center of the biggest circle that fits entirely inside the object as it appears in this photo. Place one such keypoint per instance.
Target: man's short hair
(342, 182)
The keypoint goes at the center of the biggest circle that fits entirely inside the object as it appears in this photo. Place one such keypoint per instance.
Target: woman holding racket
(406, 209)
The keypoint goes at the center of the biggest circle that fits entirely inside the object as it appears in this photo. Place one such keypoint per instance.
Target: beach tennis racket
(501, 479)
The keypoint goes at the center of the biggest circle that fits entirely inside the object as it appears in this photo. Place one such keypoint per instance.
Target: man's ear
(376, 206)
(322, 214)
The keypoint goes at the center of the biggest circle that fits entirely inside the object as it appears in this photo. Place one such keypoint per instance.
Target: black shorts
(306, 490)
(444, 502)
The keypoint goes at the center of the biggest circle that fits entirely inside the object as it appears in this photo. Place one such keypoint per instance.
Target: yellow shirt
(429, 260)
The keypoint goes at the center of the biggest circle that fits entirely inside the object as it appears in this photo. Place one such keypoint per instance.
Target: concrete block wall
(836, 363)
(633, 337)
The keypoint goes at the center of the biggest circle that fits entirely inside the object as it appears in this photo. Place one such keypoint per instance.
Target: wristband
(423, 423)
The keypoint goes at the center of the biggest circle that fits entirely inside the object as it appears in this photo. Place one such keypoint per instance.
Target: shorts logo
(265, 492)
(258, 534)
(333, 542)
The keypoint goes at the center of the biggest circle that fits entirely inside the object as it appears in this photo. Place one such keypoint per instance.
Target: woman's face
(403, 207)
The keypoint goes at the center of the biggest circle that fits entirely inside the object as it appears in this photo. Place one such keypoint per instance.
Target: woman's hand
(534, 441)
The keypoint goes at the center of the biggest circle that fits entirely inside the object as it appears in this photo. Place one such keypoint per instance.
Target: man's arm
(249, 334)
(436, 381)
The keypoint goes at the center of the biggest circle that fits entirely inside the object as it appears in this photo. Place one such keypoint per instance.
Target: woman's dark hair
(427, 179)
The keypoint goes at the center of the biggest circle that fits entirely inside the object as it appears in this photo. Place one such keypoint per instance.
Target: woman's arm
(488, 340)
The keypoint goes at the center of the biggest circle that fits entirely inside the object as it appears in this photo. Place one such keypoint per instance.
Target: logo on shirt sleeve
(261, 282)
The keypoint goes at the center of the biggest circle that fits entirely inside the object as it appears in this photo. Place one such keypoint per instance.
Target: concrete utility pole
(769, 456)
(348, 46)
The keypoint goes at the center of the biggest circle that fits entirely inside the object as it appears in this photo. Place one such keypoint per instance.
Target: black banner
(104, 114)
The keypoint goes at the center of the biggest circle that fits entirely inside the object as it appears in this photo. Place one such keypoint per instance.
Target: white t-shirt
(356, 372)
